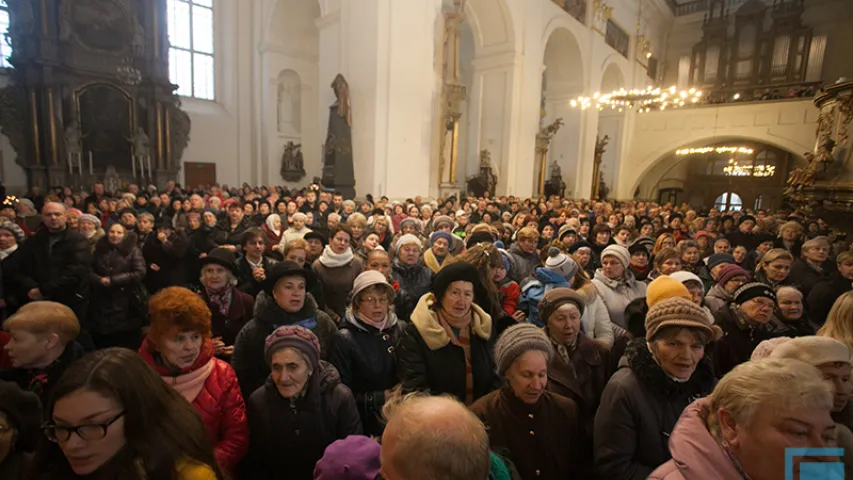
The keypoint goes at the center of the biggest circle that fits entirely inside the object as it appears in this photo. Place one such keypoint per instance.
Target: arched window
(5, 46)
(191, 47)
(728, 202)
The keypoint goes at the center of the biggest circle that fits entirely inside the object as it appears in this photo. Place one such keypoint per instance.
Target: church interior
(724, 104)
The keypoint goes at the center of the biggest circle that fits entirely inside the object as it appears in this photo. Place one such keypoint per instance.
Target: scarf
(463, 341)
(189, 385)
(271, 221)
(90, 234)
(432, 262)
(331, 259)
(5, 253)
(221, 299)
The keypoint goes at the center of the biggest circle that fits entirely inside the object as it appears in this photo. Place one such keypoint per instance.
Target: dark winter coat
(337, 284)
(61, 272)
(170, 257)
(796, 249)
(240, 311)
(542, 440)
(524, 264)
(234, 236)
(42, 380)
(14, 293)
(415, 282)
(367, 361)
(822, 296)
(747, 240)
(114, 308)
(638, 411)
(429, 362)
(739, 339)
(245, 280)
(807, 277)
(248, 358)
(289, 436)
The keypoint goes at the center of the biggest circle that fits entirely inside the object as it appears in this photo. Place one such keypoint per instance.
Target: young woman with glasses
(111, 416)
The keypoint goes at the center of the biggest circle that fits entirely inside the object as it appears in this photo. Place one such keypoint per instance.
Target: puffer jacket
(532, 292)
(717, 298)
(290, 435)
(366, 358)
(595, 321)
(248, 357)
(218, 400)
(524, 264)
(429, 362)
(415, 281)
(639, 409)
(113, 308)
(617, 294)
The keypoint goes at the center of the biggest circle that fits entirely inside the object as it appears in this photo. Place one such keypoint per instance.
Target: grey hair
(231, 279)
(145, 215)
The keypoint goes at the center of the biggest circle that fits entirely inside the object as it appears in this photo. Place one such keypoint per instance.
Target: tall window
(191, 47)
(5, 46)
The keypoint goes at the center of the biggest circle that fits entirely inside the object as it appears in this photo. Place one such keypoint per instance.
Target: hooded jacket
(429, 362)
(617, 294)
(717, 298)
(248, 357)
(289, 436)
(366, 358)
(113, 308)
(544, 281)
(415, 281)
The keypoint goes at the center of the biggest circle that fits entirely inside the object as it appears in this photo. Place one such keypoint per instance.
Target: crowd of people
(253, 333)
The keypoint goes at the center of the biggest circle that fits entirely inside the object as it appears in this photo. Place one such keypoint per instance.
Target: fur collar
(425, 319)
(650, 374)
(103, 244)
(588, 292)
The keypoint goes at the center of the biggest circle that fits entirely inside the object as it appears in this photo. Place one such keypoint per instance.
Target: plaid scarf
(463, 340)
(221, 299)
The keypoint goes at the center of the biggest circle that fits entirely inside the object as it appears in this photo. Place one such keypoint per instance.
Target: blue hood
(547, 277)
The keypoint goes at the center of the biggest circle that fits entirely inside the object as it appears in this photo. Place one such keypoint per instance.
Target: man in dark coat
(57, 261)
(235, 226)
(743, 235)
(824, 294)
(415, 278)
(164, 254)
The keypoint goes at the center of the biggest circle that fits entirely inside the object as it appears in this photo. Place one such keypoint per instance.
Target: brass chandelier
(643, 100)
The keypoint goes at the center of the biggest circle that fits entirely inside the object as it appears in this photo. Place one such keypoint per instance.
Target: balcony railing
(617, 38)
(695, 6)
(575, 8)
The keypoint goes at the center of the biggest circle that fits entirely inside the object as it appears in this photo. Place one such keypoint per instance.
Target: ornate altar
(292, 163)
(338, 170)
(90, 90)
(484, 182)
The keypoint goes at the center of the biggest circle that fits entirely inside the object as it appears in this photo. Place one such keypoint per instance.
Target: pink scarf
(190, 384)
(221, 299)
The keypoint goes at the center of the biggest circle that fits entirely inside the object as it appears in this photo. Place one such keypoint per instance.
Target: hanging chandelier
(643, 100)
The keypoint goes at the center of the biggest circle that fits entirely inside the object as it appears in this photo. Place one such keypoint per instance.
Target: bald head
(53, 216)
(434, 438)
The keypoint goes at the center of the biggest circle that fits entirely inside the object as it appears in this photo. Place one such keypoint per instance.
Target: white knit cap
(814, 350)
(407, 239)
(618, 251)
(684, 277)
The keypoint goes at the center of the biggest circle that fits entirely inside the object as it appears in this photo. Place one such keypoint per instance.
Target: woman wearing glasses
(111, 416)
(363, 350)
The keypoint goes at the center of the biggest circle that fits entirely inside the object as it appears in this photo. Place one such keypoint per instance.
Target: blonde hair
(792, 225)
(528, 233)
(297, 244)
(45, 317)
(777, 382)
(357, 219)
(816, 242)
(839, 322)
(773, 255)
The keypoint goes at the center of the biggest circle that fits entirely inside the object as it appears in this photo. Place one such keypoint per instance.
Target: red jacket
(219, 404)
(510, 294)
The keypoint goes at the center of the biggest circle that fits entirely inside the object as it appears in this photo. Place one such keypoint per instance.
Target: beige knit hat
(814, 350)
(518, 339)
(677, 311)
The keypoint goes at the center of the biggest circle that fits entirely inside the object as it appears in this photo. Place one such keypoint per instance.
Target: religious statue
(341, 88)
(292, 164)
(112, 182)
(338, 169)
(600, 143)
(73, 139)
(485, 181)
(141, 143)
(555, 185)
(598, 187)
(552, 129)
(801, 178)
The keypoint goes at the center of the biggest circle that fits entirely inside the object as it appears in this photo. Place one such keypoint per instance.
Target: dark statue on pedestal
(555, 184)
(338, 170)
(484, 182)
(292, 163)
(88, 75)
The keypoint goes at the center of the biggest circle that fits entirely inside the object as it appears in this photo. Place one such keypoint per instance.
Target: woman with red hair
(178, 347)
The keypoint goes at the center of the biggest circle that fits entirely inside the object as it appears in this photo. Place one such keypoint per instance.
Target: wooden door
(199, 173)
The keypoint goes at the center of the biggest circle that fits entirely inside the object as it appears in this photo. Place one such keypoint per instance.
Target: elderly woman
(297, 229)
(230, 308)
(364, 349)
(666, 262)
(755, 413)
(746, 323)
(790, 238)
(284, 301)
(447, 346)
(336, 271)
(90, 227)
(301, 408)
(729, 279)
(273, 232)
(659, 376)
(579, 370)
(179, 348)
(691, 260)
(616, 284)
(117, 305)
(537, 429)
(409, 270)
(774, 268)
(790, 318)
(382, 226)
(813, 266)
(357, 224)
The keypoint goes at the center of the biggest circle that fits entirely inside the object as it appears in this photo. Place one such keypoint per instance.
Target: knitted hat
(753, 290)
(23, 411)
(457, 272)
(369, 278)
(556, 298)
(353, 458)
(299, 216)
(565, 230)
(560, 263)
(518, 339)
(476, 238)
(293, 336)
(685, 277)
(441, 234)
(665, 287)
(14, 229)
(766, 348)
(719, 258)
(729, 272)
(90, 218)
(679, 312)
(618, 251)
(703, 233)
(814, 350)
(442, 221)
(413, 222)
(407, 239)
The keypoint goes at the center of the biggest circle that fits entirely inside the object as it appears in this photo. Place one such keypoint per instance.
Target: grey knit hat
(14, 229)
(560, 263)
(518, 339)
(677, 311)
(621, 253)
(442, 220)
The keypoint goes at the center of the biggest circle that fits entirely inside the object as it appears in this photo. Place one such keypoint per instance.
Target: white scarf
(271, 221)
(5, 253)
(331, 259)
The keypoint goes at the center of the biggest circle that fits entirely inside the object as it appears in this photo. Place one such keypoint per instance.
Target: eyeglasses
(60, 434)
(376, 300)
